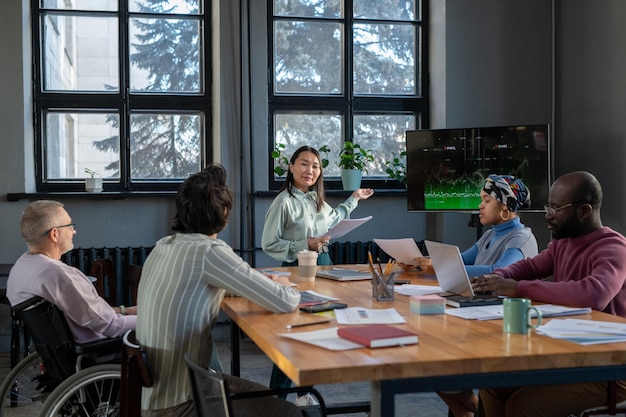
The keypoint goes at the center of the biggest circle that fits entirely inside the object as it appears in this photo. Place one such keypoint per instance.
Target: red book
(377, 335)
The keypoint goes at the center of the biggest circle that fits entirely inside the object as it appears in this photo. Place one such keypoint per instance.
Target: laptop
(453, 279)
(341, 274)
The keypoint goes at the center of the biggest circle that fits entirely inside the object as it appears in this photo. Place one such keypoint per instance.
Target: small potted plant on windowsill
(93, 184)
(353, 160)
(396, 168)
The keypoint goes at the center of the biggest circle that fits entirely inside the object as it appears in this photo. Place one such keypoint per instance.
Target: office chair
(135, 375)
(212, 396)
(104, 270)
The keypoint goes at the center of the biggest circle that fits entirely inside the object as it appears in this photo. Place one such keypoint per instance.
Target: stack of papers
(310, 298)
(494, 312)
(584, 332)
(412, 289)
(360, 315)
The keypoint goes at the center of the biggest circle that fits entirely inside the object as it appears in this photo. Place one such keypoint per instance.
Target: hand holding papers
(345, 226)
(402, 250)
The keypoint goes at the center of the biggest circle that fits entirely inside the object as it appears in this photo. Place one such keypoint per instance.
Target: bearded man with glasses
(583, 266)
(49, 232)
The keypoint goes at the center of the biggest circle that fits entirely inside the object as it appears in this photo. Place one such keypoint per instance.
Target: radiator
(82, 258)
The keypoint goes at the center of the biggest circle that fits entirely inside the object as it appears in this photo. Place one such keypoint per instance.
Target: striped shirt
(182, 285)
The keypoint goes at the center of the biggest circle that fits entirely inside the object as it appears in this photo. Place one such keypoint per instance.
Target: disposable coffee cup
(307, 265)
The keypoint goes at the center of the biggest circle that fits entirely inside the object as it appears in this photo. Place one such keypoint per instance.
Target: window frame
(123, 102)
(348, 104)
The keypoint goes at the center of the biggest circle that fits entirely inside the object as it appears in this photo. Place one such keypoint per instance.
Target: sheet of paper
(584, 332)
(274, 272)
(310, 297)
(411, 289)
(402, 250)
(325, 338)
(494, 312)
(361, 315)
(345, 226)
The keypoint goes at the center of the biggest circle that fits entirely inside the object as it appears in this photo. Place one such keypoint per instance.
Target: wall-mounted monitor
(446, 168)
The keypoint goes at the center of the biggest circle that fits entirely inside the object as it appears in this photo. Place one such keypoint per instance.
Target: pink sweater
(587, 271)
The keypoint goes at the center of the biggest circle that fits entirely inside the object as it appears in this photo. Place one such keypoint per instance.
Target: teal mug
(517, 317)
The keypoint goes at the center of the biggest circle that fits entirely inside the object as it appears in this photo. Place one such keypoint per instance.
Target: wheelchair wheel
(92, 392)
(23, 391)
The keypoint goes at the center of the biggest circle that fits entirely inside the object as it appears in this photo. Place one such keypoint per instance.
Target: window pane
(75, 141)
(384, 59)
(377, 9)
(165, 6)
(165, 55)
(80, 53)
(165, 145)
(384, 135)
(309, 8)
(308, 58)
(296, 129)
(102, 5)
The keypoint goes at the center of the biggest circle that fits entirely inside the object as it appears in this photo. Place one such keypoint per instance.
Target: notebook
(452, 277)
(340, 274)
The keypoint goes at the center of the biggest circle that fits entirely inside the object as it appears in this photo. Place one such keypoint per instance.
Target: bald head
(581, 186)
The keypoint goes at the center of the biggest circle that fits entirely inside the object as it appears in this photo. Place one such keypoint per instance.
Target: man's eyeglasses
(72, 226)
(550, 211)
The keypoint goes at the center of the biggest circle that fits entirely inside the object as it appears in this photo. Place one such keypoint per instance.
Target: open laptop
(452, 277)
(342, 274)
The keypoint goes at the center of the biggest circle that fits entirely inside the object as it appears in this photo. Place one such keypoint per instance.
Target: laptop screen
(449, 268)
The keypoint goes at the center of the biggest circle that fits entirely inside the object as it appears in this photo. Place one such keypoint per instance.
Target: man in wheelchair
(49, 232)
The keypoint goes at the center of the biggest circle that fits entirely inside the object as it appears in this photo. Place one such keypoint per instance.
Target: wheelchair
(61, 377)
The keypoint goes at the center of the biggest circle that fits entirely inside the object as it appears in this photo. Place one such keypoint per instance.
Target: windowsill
(105, 195)
(341, 193)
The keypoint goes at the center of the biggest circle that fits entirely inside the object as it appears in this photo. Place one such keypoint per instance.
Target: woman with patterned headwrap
(508, 241)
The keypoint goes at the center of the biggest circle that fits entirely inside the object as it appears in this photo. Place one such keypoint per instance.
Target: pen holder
(382, 286)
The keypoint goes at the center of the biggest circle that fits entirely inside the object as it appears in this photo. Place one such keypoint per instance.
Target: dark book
(377, 335)
(472, 300)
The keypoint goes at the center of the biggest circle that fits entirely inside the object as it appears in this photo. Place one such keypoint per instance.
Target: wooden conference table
(452, 353)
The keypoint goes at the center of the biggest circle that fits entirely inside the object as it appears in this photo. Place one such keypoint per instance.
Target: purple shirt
(586, 271)
(88, 315)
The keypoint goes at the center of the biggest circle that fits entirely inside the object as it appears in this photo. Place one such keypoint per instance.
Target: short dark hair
(203, 202)
(319, 184)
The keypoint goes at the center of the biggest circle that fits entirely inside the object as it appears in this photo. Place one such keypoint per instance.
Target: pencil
(291, 326)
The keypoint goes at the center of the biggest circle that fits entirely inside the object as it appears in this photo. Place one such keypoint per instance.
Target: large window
(121, 87)
(346, 70)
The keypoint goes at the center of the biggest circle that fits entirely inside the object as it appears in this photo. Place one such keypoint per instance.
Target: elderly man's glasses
(72, 226)
(550, 211)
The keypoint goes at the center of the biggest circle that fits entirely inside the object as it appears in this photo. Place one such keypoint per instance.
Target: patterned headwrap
(508, 190)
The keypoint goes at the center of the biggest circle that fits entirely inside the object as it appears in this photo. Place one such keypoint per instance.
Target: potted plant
(396, 167)
(353, 160)
(93, 184)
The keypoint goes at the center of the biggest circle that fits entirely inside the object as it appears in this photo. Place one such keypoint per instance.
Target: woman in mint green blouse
(299, 217)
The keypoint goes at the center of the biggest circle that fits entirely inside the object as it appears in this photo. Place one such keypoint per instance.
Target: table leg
(382, 399)
(235, 358)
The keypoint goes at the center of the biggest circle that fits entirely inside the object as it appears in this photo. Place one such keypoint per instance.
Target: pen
(291, 326)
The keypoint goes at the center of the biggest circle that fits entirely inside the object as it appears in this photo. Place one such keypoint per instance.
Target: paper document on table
(584, 332)
(494, 312)
(325, 338)
(402, 250)
(360, 315)
(412, 289)
(345, 226)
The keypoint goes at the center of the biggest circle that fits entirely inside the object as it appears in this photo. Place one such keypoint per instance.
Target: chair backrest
(135, 375)
(104, 270)
(51, 336)
(210, 391)
(133, 273)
